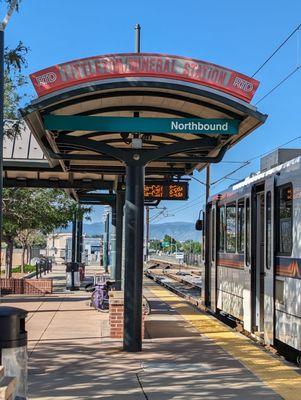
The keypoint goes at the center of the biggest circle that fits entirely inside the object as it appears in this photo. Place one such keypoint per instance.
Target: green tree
(42, 210)
(14, 80)
(174, 245)
(26, 239)
(192, 247)
(155, 244)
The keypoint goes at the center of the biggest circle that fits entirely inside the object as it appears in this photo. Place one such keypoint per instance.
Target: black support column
(74, 237)
(134, 223)
(106, 243)
(79, 239)
(74, 247)
(120, 197)
(113, 242)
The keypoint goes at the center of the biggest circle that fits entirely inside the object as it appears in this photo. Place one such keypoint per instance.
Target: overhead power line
(230, 173)
(279, 84)
(197, 199)
(276, 51)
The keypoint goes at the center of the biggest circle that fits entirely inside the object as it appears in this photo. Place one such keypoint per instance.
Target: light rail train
(252, 251)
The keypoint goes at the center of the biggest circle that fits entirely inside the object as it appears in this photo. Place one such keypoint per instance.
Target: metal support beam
(120, 197)
(97, 198)
(113, 243)
(57, 183)
(134, 221)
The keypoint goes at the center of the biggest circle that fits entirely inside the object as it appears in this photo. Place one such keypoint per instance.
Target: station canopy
(143, 86)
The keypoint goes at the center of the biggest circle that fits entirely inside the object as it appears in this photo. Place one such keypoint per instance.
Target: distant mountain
(179, 230)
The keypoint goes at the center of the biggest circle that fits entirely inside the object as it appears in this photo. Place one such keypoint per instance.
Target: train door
(269, 262)
(213, 259)
(206, 282)
(258, 267)
(210, 264)
(247, 297)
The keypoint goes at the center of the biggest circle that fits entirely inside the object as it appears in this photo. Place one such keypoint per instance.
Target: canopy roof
(85, 155)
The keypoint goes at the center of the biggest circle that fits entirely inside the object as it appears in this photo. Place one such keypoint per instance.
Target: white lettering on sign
(243, 84)
(198, 126)
(45, 79)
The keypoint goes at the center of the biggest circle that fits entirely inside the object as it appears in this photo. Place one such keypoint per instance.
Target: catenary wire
(227, 176)
(276, 51)
(194, 201)
(279, 84)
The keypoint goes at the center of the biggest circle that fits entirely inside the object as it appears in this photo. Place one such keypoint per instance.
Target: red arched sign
(97, 68)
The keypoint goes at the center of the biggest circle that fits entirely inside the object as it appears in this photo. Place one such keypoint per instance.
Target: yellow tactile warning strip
(282, 378)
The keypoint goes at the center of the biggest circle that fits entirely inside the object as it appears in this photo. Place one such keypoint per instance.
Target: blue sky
(235, 34)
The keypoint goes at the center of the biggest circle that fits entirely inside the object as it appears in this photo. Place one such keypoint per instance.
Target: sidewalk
(72, 357)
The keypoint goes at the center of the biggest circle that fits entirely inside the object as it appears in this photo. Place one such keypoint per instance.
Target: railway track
(183, 281)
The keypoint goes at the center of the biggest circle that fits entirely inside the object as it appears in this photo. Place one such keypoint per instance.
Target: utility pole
(207, 183)
(2, 28)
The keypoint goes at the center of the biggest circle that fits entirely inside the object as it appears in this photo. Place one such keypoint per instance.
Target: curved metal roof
(150, 97)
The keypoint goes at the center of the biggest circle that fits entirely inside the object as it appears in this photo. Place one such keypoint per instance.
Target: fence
(27, 285)
(194, 260)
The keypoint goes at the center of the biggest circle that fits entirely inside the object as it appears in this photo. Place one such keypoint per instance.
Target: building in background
(56, 245)
(59, 246)
(92, 250)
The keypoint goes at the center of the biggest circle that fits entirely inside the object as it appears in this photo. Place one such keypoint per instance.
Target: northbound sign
(142, 125)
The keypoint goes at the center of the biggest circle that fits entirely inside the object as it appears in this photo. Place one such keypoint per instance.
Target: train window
(203, 244)
(279, 291)
(222, 224)
(268, 230)
(240, 227)
(284, 219)
(231, 228)
(248, 231)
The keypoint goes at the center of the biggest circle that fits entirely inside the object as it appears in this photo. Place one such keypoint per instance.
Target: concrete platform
(72, 357)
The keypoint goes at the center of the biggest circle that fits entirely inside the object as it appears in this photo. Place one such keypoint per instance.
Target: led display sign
(166, 191)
